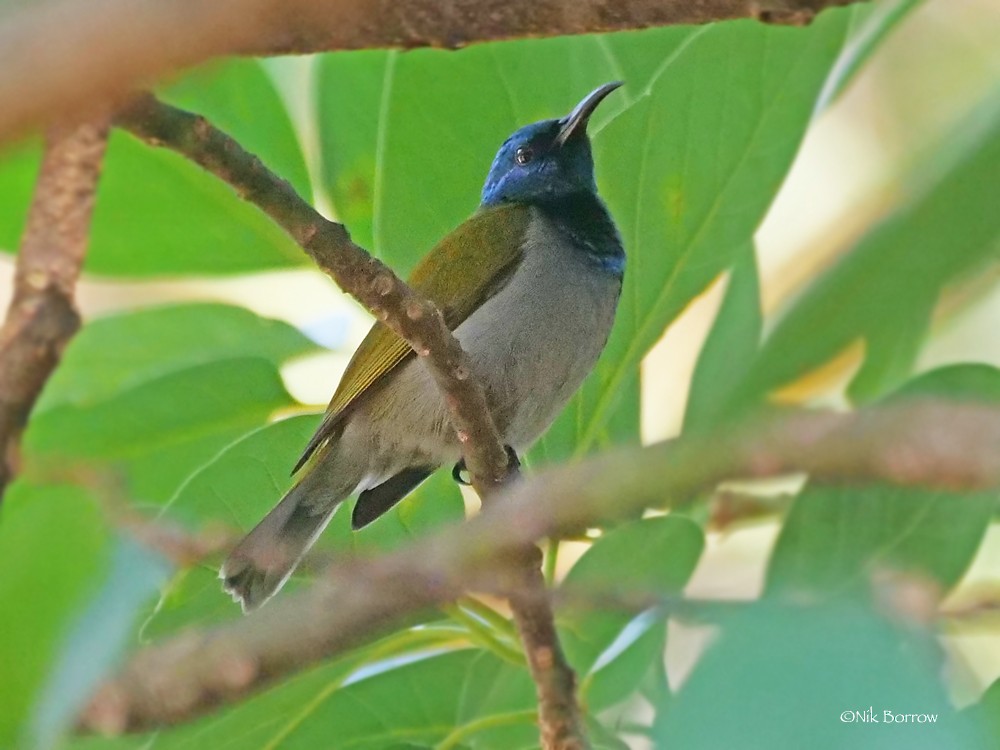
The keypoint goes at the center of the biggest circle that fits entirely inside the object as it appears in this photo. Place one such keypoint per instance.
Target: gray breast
(535, 341)
(532, 344)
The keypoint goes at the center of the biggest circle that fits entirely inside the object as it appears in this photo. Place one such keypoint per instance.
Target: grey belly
(532, 345)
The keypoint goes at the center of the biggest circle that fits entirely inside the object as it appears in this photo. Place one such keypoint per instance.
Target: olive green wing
(464, 270)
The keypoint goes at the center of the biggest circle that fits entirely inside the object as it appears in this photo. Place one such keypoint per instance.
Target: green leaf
(238, 96)
(157, 213)
(730, 347)
(396, 703)
(121, 351)
(986, 713)
(54, 549)
(245, 480)
(97, 640)
(689, 172)
(779, 677)
(159, 431)
(18, 170)
(350, 103)
(885, 289)
(835, 537)
(652, 557)
(620, 672)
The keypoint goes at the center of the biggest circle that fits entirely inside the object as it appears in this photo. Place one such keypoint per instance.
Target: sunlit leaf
(885, 289)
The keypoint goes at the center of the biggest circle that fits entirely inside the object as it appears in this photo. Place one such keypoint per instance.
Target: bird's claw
(513, 464)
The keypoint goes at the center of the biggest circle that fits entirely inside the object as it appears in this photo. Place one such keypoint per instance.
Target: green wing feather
(465, 269)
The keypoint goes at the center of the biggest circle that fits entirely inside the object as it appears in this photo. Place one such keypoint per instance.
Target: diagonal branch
(420, 323)
(42, 316)
(926, 443)
(61, 56)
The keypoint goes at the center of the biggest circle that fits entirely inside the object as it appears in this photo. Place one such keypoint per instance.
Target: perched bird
(529, 285)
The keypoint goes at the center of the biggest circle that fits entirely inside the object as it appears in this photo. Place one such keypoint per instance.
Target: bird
(529, 285)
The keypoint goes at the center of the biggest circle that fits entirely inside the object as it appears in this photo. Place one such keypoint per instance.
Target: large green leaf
(885, 289)
(18, 169)
(820, 678)
(118, 352)
(96, 640)
(157, 432)
(54, 550)
(835, 537)
(731, 345)
(689, 170)
(651, 558)
(401, 704)
(157, 213)
(240, 97)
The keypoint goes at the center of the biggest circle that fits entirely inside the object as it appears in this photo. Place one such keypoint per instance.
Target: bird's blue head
(548, 159)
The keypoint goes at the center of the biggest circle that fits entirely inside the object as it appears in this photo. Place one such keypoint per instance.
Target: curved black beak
(581, 113)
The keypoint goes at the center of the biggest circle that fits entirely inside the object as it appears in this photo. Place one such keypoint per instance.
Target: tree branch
(420, 323)
(42, 316)
(925, 443)
(62, 56)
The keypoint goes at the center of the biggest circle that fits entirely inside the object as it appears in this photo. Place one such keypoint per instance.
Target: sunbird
(529, 285)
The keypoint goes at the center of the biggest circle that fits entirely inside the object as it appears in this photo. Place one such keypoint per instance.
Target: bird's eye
(523, 155)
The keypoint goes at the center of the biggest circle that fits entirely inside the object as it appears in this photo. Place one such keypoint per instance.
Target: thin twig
(42, 316)
(931, 444)
(62, 56)
(421, 324)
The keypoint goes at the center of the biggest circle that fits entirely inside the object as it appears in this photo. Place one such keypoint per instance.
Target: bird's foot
(457, 471)
(460, 473)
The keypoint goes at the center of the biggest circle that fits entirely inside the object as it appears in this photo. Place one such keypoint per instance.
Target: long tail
(260, 564)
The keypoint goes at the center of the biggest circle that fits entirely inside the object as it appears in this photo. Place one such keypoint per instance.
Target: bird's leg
(513, 464)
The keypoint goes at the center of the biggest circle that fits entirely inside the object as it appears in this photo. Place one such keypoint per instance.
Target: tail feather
(260, 564)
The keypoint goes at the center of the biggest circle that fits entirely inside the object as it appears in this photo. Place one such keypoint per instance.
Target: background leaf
(157, 213)
(648, 558)
(885, 289)
(115, 353)
(865, 663)
(156, 433)
(834, 538)
(729, 350)
(97, 640)
(68, 572)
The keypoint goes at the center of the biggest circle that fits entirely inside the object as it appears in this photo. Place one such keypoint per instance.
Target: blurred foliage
(181, 404)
